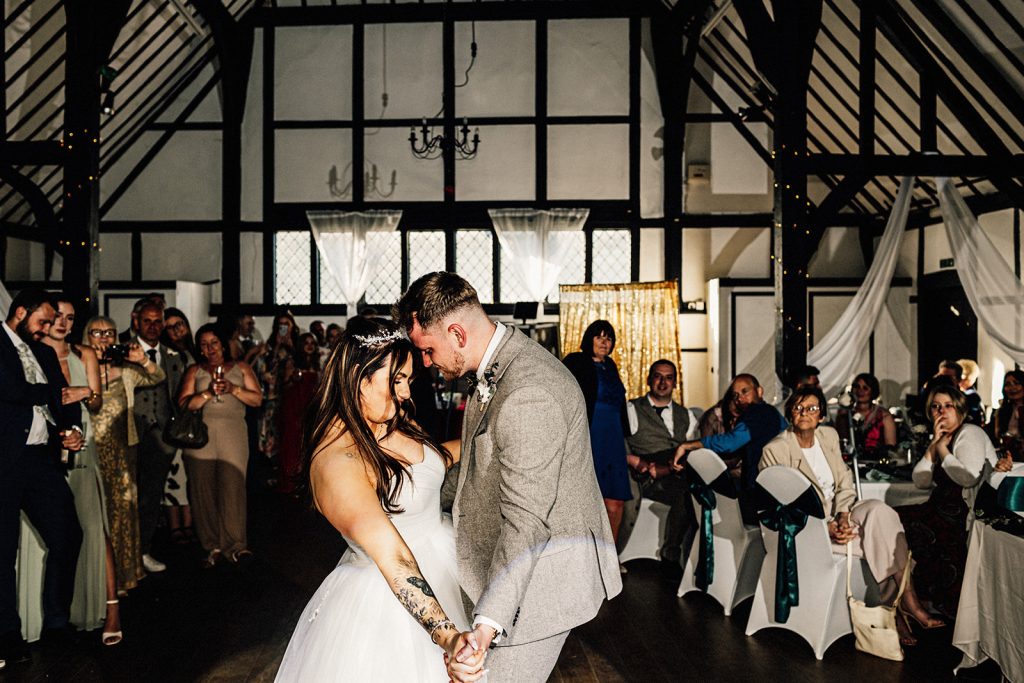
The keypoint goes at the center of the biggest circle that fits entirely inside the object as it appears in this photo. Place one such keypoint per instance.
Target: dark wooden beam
(34, 152)
(45, 229)
(951, 165)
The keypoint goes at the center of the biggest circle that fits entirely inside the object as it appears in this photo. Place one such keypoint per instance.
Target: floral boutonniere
(487, 385)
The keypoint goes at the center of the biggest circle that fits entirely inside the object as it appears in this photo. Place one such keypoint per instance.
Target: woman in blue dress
(598, 377)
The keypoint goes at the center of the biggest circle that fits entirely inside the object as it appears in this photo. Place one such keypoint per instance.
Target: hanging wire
(472, 59)
(384, 79)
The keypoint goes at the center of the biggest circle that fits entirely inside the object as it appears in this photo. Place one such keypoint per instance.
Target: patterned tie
(152, 354)
(34, 377)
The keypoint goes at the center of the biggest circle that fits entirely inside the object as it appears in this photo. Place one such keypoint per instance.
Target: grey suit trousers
(154, 462)
(526, 663)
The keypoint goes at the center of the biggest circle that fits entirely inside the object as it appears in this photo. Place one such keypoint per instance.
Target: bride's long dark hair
(367, 346)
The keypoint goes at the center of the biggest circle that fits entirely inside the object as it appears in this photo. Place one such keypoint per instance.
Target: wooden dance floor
(233, 625)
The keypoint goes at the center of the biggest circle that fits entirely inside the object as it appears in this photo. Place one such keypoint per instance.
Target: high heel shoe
(932, 622)
(112, 638)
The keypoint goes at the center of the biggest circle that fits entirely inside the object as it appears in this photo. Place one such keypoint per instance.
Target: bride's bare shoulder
(337, 461)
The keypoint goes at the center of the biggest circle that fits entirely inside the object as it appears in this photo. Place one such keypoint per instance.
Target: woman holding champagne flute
(216, 472)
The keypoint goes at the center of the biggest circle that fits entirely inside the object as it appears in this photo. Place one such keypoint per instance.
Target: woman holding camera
(122, 369)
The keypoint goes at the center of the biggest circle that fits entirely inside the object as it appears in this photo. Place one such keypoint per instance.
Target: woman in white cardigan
(872, 526)
(958, 461)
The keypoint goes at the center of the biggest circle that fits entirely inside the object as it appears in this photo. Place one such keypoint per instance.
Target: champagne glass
(218, 375)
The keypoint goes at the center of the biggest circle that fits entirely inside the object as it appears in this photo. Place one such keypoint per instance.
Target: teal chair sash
(1011, 494)
(704, 572)
(788, 521)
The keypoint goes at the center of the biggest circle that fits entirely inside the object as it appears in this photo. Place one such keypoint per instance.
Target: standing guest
(657, 425)
(316, 328)
(334, 331)
(757, 424)
(34, 424)
(300, 378)
(177, 335)
(151, 298)
(269, 367)
(221, 389)
(958, 461)
(605, 396)
(122, 369)
(1007, 425)
(807, 376)
(969, 388)
(873, 428)
(154, 406)
(247, 337)
(95, 602)
(872, 527)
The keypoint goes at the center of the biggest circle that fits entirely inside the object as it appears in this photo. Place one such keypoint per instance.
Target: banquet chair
(822, 615)
(648, 532)
(738, 549)
(997, 479)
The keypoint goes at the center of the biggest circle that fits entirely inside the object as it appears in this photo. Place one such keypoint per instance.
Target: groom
(535, 551)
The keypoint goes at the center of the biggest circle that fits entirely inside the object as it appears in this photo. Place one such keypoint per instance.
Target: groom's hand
(461, 666)
(479, 639)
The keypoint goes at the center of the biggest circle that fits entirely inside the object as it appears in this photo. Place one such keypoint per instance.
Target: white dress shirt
(666, 417)
(147, 348)
(37, 433)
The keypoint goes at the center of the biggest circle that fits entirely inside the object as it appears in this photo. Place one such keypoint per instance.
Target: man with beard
(757, 424)
(34, 424)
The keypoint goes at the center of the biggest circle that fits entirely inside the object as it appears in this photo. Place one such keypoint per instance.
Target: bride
(393, 603)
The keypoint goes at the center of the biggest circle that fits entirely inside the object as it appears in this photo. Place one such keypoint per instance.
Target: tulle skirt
(354, 628)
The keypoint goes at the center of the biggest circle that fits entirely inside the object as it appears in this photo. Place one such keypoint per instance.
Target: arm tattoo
(422, 585)
(418, 599)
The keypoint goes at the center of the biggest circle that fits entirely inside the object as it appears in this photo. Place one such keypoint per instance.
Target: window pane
(512, 289)
(291, 267)
(612, 256)
(474, 260)
(426, 253)
(386, 286)
(330, 291)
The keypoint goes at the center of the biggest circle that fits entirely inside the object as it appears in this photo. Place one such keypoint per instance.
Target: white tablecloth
(990, 619)
(894, 493)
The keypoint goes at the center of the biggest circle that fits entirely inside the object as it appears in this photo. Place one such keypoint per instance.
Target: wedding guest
(334, 332)
(958, 461)
(806, 376)
(1008, 419)
(34, 424)
(177, 334)
(95, 600)
(316, 328)
(969, 387)
(122, 369)
(871, 526)
(269, 366)
(757, 424)
(221, 389)
(870, 425)
(605, 396)
(300, 378)
(151, 298)
(719, 418)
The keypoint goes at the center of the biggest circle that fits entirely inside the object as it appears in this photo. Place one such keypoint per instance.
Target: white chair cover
(648, 533)
(738, 550)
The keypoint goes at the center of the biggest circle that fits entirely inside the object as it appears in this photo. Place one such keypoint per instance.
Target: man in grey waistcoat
(153, 408)
(534, 547)
(657, 425)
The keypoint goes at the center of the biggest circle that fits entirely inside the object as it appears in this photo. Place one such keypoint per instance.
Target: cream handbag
(875, 627)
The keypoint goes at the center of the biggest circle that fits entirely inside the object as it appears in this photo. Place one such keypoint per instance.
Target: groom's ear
(459, 333)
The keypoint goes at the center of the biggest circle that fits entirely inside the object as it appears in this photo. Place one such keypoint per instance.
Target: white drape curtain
(352, 246)
(539, 243)
(995, 292)
(838, 353)
(5, 301)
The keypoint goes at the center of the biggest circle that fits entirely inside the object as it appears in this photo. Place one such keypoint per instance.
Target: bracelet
(446, 622)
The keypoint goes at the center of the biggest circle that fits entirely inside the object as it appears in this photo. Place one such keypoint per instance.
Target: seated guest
(1006, 424)
(657, 424)
(807, 376)
(605, 396)
(958, 461)
(719, 418)
(969, 387)
(872, 526)
(757, 424)
(871, 427)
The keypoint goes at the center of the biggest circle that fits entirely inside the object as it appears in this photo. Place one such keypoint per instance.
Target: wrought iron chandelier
(433, 146)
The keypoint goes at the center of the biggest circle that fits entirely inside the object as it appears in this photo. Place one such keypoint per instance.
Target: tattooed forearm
(422, 585)
(418, 599)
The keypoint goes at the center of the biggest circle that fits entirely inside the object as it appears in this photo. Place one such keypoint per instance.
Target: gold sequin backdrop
(645, 316)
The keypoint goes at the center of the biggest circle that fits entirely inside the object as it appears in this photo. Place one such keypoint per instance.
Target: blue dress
(606, 438)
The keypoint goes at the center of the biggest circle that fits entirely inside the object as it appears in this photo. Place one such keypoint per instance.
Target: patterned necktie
(152, 354)
(33, 376)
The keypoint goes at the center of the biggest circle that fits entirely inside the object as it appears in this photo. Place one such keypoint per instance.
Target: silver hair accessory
(378, 339)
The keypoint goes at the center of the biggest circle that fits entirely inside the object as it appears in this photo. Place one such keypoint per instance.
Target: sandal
(906, 634)
(931, 624)
(242, 558)
(111, 638)
(210, 561)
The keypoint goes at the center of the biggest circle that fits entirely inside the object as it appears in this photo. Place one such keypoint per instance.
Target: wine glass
(218, 375)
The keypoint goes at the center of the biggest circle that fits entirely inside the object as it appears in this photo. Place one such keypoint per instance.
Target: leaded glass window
(426, 252)
(291, 267)
(474, 260)
(612, 256)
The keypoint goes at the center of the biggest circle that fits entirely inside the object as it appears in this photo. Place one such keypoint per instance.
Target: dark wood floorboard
(233, 625)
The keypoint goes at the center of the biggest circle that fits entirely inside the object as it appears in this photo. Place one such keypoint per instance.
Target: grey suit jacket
(149, 411)
(535, 550)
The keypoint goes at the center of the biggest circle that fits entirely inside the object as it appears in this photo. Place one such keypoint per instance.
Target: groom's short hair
(432, 298)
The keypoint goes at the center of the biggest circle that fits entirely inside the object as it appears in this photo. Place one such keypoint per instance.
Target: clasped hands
(465, 653)
(840, 530)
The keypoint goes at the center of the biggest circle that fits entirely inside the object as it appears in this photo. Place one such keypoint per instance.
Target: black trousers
(154, 462)
(34, 482)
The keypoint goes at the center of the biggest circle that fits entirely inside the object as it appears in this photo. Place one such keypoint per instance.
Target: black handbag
(186, 429)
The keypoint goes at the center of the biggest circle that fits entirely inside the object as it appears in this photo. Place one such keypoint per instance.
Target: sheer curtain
(351, 245)
(5, 301)
(995, 293)
(838, 353)
(539, 243)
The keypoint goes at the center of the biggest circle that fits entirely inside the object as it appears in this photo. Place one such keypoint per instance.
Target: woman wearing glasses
(872, 526)
(177, 334)
(122, 369)
(958, 461)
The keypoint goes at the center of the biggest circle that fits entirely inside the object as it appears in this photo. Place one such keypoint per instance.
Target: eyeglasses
(941, 407)
(103, 333)
(810, 410)
(177, 326)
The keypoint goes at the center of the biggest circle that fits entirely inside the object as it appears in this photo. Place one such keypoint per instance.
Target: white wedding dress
(354, 628)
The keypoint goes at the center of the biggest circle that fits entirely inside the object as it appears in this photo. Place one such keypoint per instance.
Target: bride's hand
(462, 657)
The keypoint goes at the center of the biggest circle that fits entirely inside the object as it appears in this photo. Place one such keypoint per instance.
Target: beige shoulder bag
(875, 627)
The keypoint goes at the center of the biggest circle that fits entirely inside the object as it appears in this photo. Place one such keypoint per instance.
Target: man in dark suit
(153, 408)
(34, 424)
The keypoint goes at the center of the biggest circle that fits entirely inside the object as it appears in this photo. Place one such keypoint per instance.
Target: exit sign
(946, 263)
